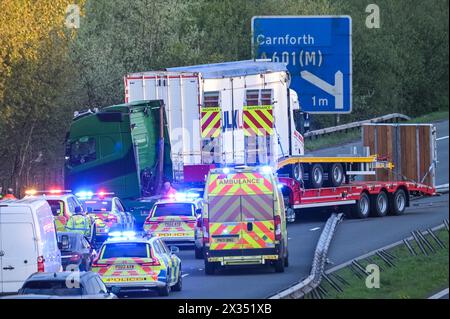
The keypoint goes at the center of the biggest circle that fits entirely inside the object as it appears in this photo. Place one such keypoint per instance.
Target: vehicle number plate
(124, 267)
(173, 224)
(226, 240)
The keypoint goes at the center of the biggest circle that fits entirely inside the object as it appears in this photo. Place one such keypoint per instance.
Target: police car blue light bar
(122, 234)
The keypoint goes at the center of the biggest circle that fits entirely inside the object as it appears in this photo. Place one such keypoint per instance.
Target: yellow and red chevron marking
(136, 263)
(258, 120)
(225, 236)
(210, 122)
(262, 235)
(239, 184)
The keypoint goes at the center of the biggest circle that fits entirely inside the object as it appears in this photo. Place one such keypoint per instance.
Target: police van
(244, 219)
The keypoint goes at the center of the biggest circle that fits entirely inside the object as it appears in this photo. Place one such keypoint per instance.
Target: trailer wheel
(298, 172)
(316, 176)
(380, 205)
(336, 175)
(362, 207)
(397, 203)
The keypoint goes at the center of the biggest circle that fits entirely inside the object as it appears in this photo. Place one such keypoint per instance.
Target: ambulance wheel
(316, 176)
(286, 260)
(179, 285)
(380, 205)
(279, 265)
(164, 291)
(198, 253)
(362, 207)
(210, 267)
(336, 175)
(397, 204)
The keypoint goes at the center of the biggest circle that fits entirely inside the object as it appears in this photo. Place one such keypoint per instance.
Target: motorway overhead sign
(318, 55)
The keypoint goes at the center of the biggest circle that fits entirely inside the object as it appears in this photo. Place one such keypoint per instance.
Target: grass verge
(432, 117)
(355, 135)
(413, 277)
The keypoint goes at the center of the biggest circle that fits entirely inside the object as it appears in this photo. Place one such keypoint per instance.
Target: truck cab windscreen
(82, 151)
(173, 209)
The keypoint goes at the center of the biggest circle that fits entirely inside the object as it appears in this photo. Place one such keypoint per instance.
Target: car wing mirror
(174, 250)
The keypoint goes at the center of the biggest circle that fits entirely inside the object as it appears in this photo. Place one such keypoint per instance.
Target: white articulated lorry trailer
(221, 114)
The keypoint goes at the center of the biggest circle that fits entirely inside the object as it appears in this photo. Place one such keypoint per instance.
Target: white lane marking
(184, 275)
(442, 138)
(315, 228)
(440, 294)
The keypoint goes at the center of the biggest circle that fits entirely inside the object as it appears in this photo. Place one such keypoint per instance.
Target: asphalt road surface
(353, 238)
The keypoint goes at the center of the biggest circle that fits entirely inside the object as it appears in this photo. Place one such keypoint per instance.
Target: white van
(28, 242)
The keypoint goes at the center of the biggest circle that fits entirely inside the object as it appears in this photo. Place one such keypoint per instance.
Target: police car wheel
(164, 291)
(179, 285)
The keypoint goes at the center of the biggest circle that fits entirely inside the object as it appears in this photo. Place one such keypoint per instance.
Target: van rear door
(258, 227)
(18, 247)
(241, 211)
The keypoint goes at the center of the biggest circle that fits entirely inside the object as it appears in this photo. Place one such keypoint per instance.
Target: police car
(64, 206)
(128, 262)
(108, 212)
(174, 219)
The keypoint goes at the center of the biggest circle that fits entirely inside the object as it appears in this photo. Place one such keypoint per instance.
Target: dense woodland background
(47, 71)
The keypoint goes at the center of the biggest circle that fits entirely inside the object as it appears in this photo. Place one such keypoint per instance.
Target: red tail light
(112, 218)
(205, 230)
(277, 227)
(96, 264)
(154, 262)
(40, 264)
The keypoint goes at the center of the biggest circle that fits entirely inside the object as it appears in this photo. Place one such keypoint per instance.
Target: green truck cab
(123, 149)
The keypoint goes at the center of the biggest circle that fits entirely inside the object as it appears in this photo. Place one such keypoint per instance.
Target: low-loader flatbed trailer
(357, 199)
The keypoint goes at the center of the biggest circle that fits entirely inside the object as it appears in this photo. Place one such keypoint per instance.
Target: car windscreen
(49, 287)
(70, 242)
(173, 209)
(125, 250)
(56, 206)
(97, 206)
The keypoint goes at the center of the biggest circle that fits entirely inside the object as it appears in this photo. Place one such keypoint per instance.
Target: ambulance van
(244, 219)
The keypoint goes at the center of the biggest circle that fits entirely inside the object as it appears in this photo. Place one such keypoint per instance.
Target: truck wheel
(380, 205)
(316, 176)
(298, 172)
(198, 253)
(397, 203)
(362, 207)
(210, 267)
(279, 265)
(336, 175)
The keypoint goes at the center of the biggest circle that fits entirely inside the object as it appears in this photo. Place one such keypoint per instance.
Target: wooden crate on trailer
(411, 147)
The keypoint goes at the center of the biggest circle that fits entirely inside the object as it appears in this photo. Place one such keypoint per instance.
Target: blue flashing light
(84, 194)
(226, 170)
(119, 235)
(280, 186)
